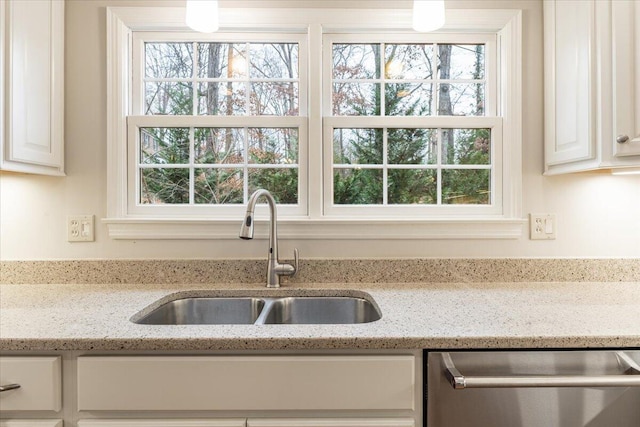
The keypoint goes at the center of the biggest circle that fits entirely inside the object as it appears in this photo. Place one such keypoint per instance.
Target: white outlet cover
(80, 228)
(542, 226)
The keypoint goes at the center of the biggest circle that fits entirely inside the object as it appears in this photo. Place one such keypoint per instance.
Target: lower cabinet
(36, 383)
(326, 390)
(30, 384)
(257, 422)
(331, 422)
(237, 422)
(246, 383)
(30, 423)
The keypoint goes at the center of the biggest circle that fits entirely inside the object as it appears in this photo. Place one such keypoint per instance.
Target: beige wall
(598, 214)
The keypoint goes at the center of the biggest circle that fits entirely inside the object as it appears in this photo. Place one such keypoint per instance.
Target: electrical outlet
(80, 228)
(542, 226)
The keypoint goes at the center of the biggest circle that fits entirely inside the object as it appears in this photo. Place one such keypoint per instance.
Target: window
(412, 126)
(215, 119)
(417, 134)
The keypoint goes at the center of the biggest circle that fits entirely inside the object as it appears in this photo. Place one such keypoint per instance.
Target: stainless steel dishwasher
(533, 388)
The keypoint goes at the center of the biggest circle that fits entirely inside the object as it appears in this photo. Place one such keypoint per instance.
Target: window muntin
(215, 120)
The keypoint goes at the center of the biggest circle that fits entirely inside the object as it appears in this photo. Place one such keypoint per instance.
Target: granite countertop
(434, 315)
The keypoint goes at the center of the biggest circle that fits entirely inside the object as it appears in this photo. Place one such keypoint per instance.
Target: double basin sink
(243, 310)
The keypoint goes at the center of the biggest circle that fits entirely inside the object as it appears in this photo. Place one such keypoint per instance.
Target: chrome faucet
(274, 268)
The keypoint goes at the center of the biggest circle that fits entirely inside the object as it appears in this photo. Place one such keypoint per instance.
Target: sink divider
(268, 303)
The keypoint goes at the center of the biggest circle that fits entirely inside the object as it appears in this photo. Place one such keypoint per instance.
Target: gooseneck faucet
(274, 268)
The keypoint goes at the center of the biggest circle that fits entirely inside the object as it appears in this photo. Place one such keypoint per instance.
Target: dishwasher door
(533, 389)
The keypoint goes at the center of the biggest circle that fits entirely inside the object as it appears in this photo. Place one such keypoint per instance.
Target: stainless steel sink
(258, 311)
(205, 311)
(321, 310)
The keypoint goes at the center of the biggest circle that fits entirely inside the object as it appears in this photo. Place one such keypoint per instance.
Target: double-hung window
(358, 133)
(215, 118)
(411, 126)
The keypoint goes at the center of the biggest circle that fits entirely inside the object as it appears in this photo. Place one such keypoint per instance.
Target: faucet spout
(275, 269)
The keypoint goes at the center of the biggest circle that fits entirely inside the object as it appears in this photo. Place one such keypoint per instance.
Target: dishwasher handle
(630, 378)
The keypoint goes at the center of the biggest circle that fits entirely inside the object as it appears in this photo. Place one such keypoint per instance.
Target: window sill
(329, 229)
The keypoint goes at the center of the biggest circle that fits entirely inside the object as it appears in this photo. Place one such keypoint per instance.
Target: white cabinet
(214, 390)
(254, 422)
(246, 383)
(319, 390)
(40, 381)
(31, 423)
(569, 81)
(238, 422)
(626, 77)
(592, 84)
(331, 422)
(31, 86)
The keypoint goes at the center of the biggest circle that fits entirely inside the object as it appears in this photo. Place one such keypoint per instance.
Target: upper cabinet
(592, 84)
(31, 86)
(626, 77)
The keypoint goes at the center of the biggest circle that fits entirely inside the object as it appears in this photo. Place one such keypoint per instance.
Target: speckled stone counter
(401, 270)
(85, 317)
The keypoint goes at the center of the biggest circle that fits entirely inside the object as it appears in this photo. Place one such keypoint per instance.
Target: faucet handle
(296, 259)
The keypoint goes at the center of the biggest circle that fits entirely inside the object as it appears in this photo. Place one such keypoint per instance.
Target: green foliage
(218, 186)
(282, 183)
(409, 187)
(468, 186)
(357, 186)
(165, 186)
(165, 146)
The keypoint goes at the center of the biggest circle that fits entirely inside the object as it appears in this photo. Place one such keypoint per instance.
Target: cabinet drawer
(40, 383)
(31, 423)
(330, 422)
(237, 422)
(246, 383)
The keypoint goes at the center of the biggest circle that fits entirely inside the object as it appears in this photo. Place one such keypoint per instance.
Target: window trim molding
(122, 21)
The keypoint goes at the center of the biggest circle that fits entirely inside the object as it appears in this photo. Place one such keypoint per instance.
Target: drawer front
(30, 423)
(331, 422)
(246, 383)
(40, 383)
(237, 422)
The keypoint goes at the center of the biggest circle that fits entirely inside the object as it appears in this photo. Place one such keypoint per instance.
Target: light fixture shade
(202, 15)
(428, 15)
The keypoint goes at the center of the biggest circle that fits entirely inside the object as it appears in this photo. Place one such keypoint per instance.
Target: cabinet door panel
(233, 422)
(33, 104)
(569, 81)
(40, 383)
(246, 383)
(331, 422)
(626, 62)
(31, 423)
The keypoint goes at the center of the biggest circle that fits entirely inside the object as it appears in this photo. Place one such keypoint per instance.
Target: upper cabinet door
(570, 85)
(33, 56)
(626, 82)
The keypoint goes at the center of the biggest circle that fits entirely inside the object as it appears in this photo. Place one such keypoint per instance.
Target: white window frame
(506, 25)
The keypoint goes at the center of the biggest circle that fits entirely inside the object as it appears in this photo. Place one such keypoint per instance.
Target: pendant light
(428, 15)
(202, 15)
